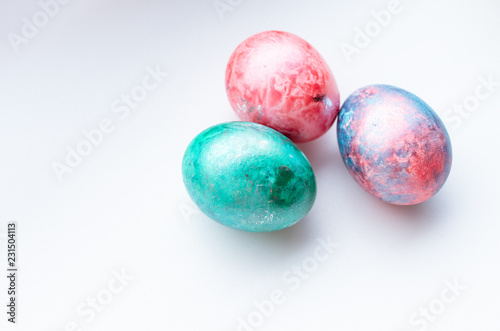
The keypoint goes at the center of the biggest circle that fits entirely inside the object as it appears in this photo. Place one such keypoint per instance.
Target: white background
(124, 208)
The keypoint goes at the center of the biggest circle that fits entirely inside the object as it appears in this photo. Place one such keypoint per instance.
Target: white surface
(125, 206)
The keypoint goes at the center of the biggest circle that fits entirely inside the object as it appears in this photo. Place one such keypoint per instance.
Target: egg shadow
(290, 239)
(323, 153)
(418, 216)
(409, 219)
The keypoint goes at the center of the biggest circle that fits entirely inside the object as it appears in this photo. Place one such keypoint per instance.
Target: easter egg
(393, 144)
(279, 80)
(248, 177)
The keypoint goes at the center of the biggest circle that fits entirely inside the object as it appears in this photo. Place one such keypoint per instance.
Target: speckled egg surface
(278, 79)
(248, 177)
(393, 144)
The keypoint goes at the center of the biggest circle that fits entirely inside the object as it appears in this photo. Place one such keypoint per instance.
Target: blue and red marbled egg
(393, 144)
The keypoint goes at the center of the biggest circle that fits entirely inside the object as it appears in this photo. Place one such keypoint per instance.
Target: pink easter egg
(278, 79)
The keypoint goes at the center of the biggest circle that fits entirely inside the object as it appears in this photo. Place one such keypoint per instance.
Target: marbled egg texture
(393, 144)
(248, 177)
(278, 79)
